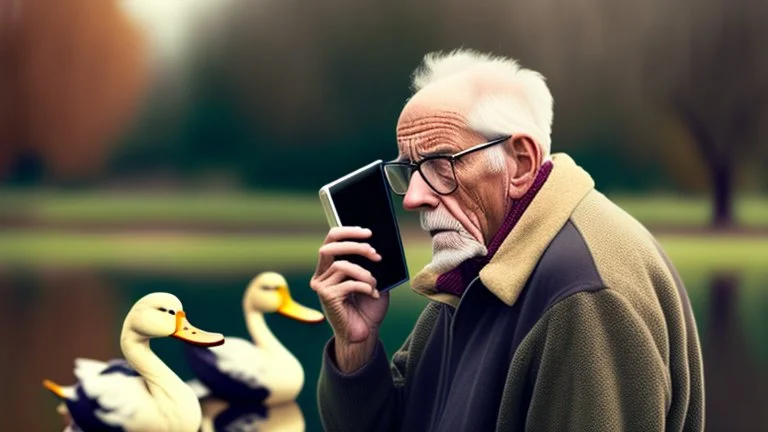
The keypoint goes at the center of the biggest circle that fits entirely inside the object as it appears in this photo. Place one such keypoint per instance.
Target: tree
(73, 74)
(708, 65)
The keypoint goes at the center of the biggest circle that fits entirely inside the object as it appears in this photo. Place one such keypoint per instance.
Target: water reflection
(48, 318)
(219, 417)
(736, 382)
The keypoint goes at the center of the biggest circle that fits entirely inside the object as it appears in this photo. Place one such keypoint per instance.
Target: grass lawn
(751, 211)
(272, 208)
(192, 256)
(191, 253)
(125, 208)
(186, 252)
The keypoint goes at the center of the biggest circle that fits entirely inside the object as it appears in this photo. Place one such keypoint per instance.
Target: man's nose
(419, 194)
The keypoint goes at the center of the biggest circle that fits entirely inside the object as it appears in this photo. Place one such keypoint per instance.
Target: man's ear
(524, 162)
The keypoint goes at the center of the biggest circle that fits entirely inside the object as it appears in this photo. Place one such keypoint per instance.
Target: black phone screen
(364, 200)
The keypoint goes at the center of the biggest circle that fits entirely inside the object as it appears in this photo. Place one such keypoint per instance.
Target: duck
(259, 372)
(138, 392)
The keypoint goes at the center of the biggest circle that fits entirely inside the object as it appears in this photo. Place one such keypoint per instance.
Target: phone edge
(331, 216)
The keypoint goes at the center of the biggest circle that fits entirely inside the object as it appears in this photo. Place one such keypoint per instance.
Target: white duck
(139, 393)
(258, 373)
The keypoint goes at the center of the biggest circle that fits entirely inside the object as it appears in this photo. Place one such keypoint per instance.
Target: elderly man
(550, 308)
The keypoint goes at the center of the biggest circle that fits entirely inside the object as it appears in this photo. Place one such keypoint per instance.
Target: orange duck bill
(290, 308)
(193, 335)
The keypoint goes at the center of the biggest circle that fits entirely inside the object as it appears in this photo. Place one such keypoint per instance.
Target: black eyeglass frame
(416, 166)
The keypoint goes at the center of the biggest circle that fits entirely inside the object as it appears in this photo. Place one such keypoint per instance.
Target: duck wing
(86, 368)
(106, 400)
(229, 371)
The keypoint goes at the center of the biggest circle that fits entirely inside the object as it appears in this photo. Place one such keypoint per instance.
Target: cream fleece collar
(509, 269)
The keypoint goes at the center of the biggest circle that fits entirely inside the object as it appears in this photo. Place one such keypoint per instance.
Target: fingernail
(376, 293)
(378, 257)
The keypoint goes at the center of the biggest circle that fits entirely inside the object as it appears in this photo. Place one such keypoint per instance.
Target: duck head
(161, 315)
(268, 292)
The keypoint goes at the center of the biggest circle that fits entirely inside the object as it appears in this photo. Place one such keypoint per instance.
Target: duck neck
(174, 399)
(261, 335)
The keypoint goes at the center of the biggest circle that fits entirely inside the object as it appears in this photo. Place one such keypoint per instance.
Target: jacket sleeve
(597, 368)
(369, 399)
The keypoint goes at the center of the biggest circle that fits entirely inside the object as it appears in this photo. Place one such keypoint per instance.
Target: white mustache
(439, 219)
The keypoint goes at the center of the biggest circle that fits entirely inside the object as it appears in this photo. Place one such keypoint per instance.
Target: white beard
(452, 247)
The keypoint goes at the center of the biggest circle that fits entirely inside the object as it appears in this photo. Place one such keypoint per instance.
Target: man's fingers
(349, 248)
(337, 243)
(329, 251)
(346, 288)
(346, 232)
(341, 270)
(338, 274)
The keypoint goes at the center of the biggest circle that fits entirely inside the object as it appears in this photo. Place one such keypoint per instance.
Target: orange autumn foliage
(72, 73)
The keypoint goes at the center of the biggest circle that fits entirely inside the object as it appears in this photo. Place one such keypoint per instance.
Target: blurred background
(178, 145)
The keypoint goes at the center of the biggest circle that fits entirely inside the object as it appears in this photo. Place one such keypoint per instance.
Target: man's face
(462, 223)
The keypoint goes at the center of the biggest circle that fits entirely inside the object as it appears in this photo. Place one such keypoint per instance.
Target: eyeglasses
(438, 171)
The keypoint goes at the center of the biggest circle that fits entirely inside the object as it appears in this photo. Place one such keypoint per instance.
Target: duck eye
(162, 309)
(172, 312)
(269, 287)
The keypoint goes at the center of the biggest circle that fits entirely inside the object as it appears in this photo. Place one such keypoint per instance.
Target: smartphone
(362, 198)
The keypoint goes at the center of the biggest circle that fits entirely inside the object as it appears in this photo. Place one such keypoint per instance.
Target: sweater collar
(509, 264)
(455, 281)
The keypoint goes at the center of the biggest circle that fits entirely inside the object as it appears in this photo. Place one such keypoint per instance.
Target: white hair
(496, 161)
(526, 110)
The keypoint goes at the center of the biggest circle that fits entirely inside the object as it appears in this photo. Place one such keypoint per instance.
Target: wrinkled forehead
(435, 119)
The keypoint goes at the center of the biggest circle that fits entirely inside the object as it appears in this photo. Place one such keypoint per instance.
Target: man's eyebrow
(439, 150)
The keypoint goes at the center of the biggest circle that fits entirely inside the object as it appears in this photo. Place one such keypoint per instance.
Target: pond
(48, 318)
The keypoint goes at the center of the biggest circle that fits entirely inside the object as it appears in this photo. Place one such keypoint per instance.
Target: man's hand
(348, 294)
